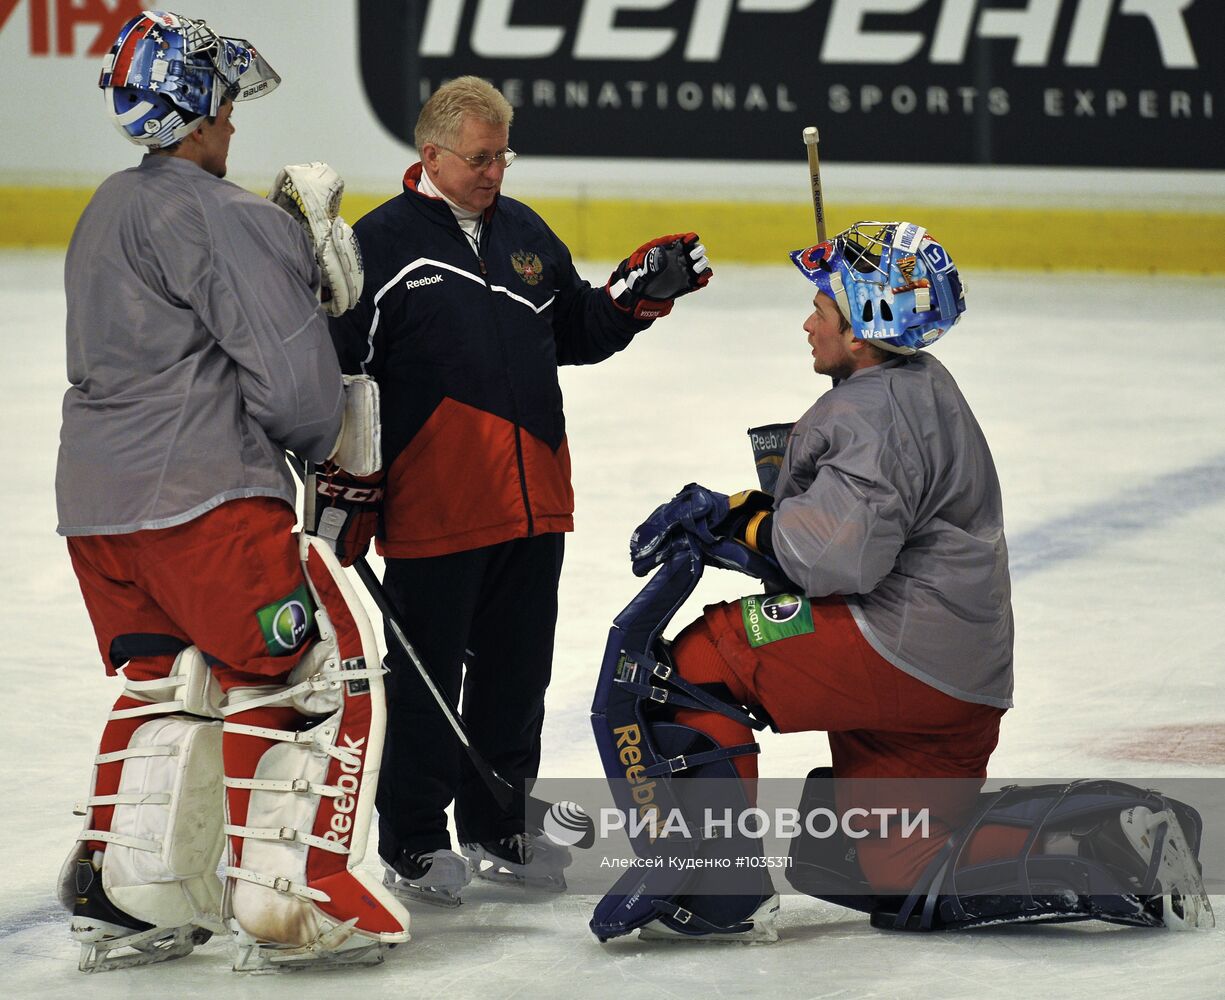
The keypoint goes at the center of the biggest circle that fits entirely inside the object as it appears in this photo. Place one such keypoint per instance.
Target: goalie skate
(112, 939)
(760, 927)
(434, 877)
(334, 947)
(528, 860)
(1179, 890)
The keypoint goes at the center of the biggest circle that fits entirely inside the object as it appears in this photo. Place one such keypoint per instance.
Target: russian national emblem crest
(528, 265)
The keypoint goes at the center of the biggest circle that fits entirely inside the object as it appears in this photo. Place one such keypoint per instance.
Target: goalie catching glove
(311, 193)
(648, 280)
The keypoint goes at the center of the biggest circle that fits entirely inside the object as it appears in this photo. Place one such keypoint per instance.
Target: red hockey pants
(882, 723)
(225, 582)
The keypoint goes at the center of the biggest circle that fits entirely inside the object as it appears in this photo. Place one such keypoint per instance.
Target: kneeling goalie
(888, 626)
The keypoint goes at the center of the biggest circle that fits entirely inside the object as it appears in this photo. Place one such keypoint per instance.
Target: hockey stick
(811, 138)
(569, 815)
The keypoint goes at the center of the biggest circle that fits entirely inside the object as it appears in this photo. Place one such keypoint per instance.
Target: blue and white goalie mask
(896, 286)
(166, 73)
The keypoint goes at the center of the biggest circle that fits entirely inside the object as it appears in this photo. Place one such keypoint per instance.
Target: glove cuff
(756, 531)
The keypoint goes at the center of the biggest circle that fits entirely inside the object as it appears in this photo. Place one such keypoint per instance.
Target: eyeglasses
(481, 161)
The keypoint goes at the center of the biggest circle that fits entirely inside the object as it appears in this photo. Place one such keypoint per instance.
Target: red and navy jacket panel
(466, 351)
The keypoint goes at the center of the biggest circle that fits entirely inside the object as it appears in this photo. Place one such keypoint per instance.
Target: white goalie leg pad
(165, 834)
(300, 811)
(358, 449)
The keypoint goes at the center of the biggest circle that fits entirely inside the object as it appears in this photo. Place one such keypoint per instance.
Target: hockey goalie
(887, 624)
(252, 715)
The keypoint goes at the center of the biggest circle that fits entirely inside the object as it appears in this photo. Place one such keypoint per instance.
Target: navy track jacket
(465, 347)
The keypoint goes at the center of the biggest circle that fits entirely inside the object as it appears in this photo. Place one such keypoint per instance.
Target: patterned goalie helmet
(893, 282)
(166, 72)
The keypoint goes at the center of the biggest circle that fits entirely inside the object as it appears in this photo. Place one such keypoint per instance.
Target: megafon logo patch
(781, 607)
(285, 623)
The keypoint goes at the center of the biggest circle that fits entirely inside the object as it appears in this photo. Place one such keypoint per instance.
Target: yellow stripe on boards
(1025, 239)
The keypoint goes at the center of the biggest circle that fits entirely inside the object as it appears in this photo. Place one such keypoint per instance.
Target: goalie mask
(166, 72)
(896, 286)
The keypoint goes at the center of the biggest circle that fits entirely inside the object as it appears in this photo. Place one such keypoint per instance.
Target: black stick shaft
(501, 789)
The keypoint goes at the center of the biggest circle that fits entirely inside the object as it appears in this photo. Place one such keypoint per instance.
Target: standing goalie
(252, 706)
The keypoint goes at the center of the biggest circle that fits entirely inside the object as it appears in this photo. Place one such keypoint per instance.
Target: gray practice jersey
(197, 352)
(888, 495)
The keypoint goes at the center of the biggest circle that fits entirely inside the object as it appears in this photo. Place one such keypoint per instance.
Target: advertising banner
(1136, 83)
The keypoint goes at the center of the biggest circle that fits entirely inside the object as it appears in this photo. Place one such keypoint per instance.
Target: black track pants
(493, 609)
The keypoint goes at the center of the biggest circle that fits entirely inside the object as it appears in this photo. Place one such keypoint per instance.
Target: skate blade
(448, 898)
(541, 883)
(160, 944)
(259, 958)
(434, 895)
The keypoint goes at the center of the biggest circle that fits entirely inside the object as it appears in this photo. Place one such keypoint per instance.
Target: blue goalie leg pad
(1095, 850)
(689, 879)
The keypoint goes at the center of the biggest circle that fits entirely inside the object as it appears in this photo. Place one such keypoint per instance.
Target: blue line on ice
(1087, 529)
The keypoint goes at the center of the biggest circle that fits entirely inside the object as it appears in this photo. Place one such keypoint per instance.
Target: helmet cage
(166, 72)
(895, 285)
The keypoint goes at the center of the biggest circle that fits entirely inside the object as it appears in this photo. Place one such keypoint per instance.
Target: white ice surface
(1104, 404)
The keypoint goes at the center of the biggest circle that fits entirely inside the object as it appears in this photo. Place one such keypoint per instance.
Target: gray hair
(466, 97)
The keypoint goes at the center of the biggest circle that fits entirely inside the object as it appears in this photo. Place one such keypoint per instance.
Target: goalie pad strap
(302, 737)
(283, 696)
(300, 785)
(286, 696)
(131, 799)
(687, 695)
(153, 708)
(279, 883)
(110, 758)
(686, 761)
(136, 843)
(156, 684)
(691, 919)
(287, 834)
